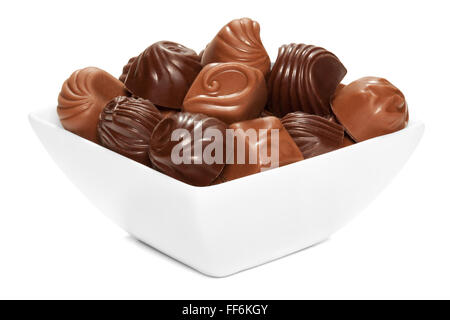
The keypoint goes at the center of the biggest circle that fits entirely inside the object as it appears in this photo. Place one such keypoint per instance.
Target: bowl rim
(42, 116)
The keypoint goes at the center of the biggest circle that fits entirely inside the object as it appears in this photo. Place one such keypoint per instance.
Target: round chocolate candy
(314, 135)
(231, 92)
(125, 126)
(238, 41)
(83, 97)
(303, 78)
(163, 73)
(195, 153)
(370, 107)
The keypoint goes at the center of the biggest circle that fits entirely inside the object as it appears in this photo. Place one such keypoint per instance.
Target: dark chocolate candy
(238, 41)
(125, 126)
(288, 152)
(314, 135)
(126, 69)
(231, 92)
(370, 107)
(190, 165)
(304, 78)
(83, 97)
(163, 73)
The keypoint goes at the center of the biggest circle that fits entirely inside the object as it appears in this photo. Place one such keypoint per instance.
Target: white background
(54, 244)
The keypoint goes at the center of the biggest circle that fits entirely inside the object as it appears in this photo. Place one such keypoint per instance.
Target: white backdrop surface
(54, 244)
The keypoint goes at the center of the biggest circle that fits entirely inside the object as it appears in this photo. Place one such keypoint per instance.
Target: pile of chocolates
(229, 85)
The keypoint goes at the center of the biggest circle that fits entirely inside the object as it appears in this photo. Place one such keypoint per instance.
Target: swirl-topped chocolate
(163, 73)
(125, 126)
(238, 41)
(304, 78)
(83, 97)
(189, 154)
(314, 135)
(231, 92)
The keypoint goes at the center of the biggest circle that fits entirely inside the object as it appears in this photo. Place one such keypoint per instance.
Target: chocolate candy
(370, 107)
(126, 69)
(303, 78)
(314, 135)
(163, 73)
(125, 126)
(288, 152)
(181, 153)
(231, 92)
(83, 96)
(347, 141)
(238, 41)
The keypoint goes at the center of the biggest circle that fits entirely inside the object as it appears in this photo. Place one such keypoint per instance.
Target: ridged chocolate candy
(288, 152)
(238, 41)
(163, 73)
(231, 92)
(125, 126)
(126, 69)
(304, 78)
(370, 107)
(314, 135)
(83, 97)
(195, 171)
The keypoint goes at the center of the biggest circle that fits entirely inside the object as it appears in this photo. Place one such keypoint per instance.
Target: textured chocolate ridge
(314, 135)
(161, 148)
(214, 92)
(126, 69)
(295, 84)
(125, 126)
(163, 73)
(238, 41)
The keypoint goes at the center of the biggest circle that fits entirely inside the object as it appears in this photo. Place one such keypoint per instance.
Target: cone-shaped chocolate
(238, 41)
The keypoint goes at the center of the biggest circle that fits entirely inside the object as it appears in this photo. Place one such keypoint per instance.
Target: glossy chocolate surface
(196, 172)
(83, 97)
(126, 69)
(231, 92)
(288, 150)
(314, 135)
(125, 126)
(304, 78)
(238, 41)
(370, 107)
(163, 73)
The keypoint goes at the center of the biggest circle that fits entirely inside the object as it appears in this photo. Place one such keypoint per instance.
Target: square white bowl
(223, 229)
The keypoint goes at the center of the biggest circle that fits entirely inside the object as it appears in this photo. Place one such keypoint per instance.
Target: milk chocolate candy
(370, 107)
(231, 92)
(314, 135)
(83, 97)
(163, 73)
(126, 69)
(195, 153)
(304, 78)
(260, 148)
(238, 41)
(347, 141)
(125, 126)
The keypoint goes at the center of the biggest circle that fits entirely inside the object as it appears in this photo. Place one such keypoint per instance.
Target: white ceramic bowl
(222, 229)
